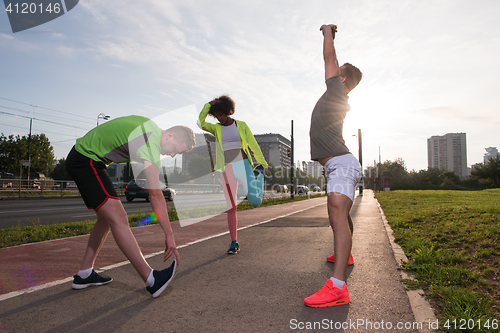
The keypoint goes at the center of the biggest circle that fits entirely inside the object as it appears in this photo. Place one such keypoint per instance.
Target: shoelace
(326, 288)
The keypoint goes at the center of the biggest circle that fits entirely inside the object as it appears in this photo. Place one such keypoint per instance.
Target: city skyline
(448, 152)
(429, 69)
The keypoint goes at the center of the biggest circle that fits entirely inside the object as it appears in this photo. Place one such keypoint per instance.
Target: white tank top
(230, 137)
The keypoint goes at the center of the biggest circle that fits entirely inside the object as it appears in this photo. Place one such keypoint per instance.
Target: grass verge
(452, 241)
(39, 233)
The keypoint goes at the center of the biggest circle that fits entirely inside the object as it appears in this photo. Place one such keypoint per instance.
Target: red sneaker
(328, 296)
(332, 259)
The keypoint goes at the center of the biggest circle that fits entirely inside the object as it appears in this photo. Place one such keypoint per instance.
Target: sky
(430, 68)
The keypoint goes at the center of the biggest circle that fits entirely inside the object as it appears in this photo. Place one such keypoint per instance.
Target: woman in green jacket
(233, 138)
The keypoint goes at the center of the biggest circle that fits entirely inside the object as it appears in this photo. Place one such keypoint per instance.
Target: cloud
(2, 35)
(452, 114)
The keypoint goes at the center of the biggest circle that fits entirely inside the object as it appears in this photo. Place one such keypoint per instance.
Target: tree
(4, 154)
(427, 179)
(59, 172)
(369, 177)
(489, 172)
(271, 179)
(176, 177)
(199, 166)
(449, 180)
(42, 153)
(12, 151)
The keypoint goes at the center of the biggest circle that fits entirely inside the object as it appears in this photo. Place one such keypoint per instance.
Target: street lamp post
(292, 180)
(360, 159)
(360, 152)
(102, 116)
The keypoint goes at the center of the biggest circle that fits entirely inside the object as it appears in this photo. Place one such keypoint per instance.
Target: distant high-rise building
(274, 147)
(314, 169)
(448, 152)
(492, 152)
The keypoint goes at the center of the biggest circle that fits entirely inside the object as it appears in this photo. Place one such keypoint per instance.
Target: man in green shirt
(130, 138)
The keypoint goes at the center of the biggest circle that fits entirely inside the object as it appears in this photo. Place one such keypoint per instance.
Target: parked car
(7, 175)
(137, 189)
(282, 189)
(301, 189)
(316, 188)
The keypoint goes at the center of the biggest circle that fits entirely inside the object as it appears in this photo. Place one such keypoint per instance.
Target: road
(15, 213)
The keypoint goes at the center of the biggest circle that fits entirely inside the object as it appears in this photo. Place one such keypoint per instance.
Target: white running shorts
(343, 173)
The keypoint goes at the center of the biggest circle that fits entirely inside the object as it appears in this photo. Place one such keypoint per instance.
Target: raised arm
(159, 207)
(331, 63)
(201, 119)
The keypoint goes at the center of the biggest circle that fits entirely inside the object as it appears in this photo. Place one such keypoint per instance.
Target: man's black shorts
(92, 179)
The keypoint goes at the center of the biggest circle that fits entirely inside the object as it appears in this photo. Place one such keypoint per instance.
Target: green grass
(39, 233)
(452, 241)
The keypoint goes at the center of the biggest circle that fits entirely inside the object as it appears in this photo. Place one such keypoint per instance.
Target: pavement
(260, 289)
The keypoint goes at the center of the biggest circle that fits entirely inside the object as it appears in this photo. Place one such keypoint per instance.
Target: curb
(421, 308)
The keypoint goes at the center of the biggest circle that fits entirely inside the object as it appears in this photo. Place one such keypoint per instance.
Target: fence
(37, 187)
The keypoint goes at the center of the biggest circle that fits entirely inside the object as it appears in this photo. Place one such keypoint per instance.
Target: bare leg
(96, 240)
(338, 212)
(230, 187)
(232, 223)
(351, 226)
(112, 216)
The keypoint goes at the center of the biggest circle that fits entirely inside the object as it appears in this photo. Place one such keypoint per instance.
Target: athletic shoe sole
(79, 286)
(233, 251)
(83, 286)
(341, 301)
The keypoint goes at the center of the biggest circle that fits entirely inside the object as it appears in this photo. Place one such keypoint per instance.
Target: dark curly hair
(223, 104)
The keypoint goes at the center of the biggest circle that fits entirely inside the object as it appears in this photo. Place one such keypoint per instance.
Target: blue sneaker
(233, 248)
(162, 279)
(94, 279)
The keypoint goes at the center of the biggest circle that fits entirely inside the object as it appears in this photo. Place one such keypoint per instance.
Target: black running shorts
(92, 179)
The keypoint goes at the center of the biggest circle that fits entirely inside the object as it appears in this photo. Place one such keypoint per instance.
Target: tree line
(14, 150)
(482, 176)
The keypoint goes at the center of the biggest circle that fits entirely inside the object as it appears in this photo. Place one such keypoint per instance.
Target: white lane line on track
(106, 268)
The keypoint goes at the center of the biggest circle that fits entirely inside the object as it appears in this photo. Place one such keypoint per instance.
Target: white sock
(151, 280)
(337, 283)
(85, 273)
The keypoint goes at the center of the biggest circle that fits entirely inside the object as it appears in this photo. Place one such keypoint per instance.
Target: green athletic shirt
(124, 139)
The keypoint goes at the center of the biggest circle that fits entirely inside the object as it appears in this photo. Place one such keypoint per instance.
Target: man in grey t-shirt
(341, 167)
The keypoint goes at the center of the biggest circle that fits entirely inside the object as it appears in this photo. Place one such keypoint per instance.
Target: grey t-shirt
(327, 121)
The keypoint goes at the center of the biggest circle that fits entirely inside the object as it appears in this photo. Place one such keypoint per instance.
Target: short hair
(353, 75)
(185, 134)
(223, 104)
